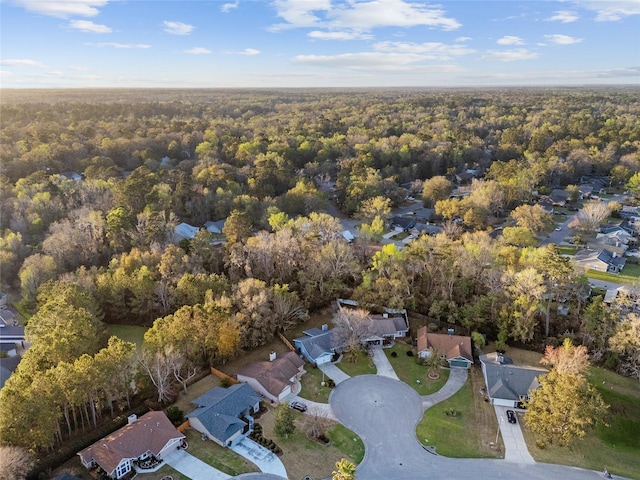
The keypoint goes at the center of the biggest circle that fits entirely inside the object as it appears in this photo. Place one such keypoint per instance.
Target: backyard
(630, 275)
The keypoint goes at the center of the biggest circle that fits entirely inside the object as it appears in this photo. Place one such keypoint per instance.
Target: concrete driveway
(193, 467)
(515, 448)
(264, 459)
(384, 413)
(383, 366)
(333, 372)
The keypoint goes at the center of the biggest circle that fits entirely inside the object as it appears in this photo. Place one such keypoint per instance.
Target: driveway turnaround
(515, 448)
(384, 413)
(383, 366)
(193, 467)
(264, 459)
(333, 372)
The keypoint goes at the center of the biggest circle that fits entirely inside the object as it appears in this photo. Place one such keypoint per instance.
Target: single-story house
(586, 190)
(11, 333)
(547, 206)
(215, 227)
(427, 229)
(508, 384)
(276, 378)
(601, 260)
(185, 231)
(224, 414)
(403, 223)
(77, 176)
(150, 437)
(456, 349)
(318, 346)
(385, 327)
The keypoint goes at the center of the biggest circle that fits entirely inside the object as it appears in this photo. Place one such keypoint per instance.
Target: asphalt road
(384, 413)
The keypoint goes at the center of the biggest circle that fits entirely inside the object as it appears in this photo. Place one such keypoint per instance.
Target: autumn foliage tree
(565, 406)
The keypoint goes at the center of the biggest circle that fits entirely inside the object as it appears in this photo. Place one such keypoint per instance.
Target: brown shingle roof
(151, 432)
(451, 345)
(274, 376)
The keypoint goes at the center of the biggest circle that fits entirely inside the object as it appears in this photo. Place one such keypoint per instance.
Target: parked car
(511, 416)
(301, 407)
(558, 229)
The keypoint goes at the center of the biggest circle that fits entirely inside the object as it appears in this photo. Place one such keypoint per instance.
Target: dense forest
(283, 169)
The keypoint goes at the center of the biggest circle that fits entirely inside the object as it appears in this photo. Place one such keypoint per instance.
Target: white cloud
(429, 50)
(611, 10)
(198, 51)
(177, 28)
(510, 40)
(119, 45)
(319, 35)
(21, 62)
(246, 51)
(560, 39)
(509, 55)
(463, 39)
(229, 6)
(376, 63)
(362, 15)
(564, 16)
(89, 27)
(63, 8)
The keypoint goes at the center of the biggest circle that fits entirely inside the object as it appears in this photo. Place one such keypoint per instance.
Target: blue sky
(317, 43)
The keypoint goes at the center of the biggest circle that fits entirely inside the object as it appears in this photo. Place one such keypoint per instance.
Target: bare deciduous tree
(15, 463)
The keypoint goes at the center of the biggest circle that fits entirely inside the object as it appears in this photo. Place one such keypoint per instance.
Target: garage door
(459, 363)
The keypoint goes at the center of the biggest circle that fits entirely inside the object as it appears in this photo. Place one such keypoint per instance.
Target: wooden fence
(183, 427)
(286, 342)
(219, 374)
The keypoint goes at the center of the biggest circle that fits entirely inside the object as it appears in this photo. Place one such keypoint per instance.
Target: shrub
(225, 382)
(541, 444)
(331, 383)
(175, 415)
(409, 353)
(433, 327)
(394, 354)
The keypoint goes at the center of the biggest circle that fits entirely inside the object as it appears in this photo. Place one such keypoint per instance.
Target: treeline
(101, 250)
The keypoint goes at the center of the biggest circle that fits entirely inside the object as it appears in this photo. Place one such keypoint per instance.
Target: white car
(558, 229)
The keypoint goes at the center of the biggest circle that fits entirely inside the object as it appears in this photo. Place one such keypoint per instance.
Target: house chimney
(614, 254)
(131, 419)
(385, 315)
(272, 356)
(450, 331)
(325, 327)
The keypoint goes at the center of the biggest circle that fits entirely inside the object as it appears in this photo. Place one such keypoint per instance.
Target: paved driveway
(193, 467)
(383, 366)
(264, 459)
(515, 448)
(384, 413)
(333, 372)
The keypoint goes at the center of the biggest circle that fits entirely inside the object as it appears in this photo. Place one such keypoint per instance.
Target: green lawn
(410, 372)
(362, 365)
(347, 442)
(629, 275)
(567, 249)
(453, 436)
(213, 454)
(311, 385)
(128, 333)
(616, 447)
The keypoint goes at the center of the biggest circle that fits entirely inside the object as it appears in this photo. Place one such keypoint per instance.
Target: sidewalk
(457, 378)
(264, 459)
(382, 364)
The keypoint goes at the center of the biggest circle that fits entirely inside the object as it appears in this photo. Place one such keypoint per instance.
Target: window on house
(122, 469)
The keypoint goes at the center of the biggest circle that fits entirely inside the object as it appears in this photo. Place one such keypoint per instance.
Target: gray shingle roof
(509, 381)
(220, 408)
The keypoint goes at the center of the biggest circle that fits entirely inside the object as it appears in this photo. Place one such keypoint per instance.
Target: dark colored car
(511, 416)
(301, 407)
